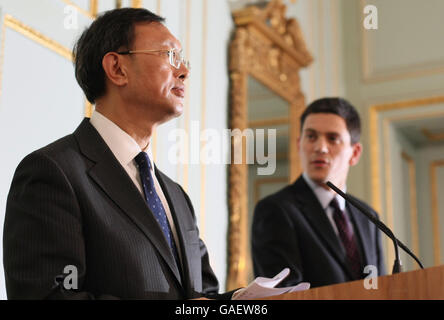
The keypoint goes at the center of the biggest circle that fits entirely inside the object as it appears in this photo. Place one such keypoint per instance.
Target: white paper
(265, 287)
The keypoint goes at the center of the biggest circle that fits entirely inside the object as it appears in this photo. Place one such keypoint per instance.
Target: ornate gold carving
(238, 205)
(272, 49)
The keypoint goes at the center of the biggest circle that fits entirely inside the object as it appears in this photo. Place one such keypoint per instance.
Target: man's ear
(114, 69)
(356, 155)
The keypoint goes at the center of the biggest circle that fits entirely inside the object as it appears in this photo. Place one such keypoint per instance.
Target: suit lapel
(115, 182)
(317, 217)
(178, 207)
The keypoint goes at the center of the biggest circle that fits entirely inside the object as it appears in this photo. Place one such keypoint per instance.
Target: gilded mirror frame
(272, 50)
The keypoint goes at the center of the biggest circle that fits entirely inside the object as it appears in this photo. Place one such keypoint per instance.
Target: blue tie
(153, 200)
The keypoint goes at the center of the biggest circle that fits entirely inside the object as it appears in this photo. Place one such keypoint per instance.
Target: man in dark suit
(306, 226)
(92, 208)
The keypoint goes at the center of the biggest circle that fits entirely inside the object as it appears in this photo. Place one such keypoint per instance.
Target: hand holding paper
(265, 287)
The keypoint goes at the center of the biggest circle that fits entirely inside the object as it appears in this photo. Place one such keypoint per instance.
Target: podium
(424, 284)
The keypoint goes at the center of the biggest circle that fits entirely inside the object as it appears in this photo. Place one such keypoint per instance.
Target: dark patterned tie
(153, 200)
(347, 238)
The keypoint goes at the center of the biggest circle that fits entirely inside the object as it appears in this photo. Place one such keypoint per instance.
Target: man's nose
(183, 72)
(321, 145)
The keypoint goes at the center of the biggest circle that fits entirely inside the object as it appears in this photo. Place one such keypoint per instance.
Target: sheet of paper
(263, 287)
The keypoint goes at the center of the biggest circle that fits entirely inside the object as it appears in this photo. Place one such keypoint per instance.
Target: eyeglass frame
(181, 60)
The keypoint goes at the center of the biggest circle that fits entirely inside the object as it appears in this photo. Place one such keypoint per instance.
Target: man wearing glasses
(90, 215)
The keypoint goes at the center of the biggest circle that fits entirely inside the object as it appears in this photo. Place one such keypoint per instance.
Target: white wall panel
(40, 100)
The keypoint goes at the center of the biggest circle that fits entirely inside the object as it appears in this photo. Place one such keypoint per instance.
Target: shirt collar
(324, 196)
(122, 145)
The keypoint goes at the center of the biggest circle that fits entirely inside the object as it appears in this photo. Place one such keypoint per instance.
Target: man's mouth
(179, 91)
(320, 163)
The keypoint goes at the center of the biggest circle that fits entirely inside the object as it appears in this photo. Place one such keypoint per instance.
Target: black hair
(340, 107)
(110, 32)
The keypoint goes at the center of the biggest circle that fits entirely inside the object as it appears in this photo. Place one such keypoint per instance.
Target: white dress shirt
(125, 149)
(325, 197)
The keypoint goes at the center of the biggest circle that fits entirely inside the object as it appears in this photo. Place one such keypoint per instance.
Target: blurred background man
(306, 226)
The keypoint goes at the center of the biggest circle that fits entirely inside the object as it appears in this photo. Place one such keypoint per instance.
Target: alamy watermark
(371, 19)
(71, 277)
(211, 146)
(371, 281)
(71, 20)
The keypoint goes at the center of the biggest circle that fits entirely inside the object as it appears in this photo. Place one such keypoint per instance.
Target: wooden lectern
(425, 284)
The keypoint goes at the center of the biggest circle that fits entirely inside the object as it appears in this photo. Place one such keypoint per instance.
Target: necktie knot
(143, 161)
(335, 204)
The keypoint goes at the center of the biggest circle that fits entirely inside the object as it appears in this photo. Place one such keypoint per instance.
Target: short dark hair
(111, 31)
(340, 107)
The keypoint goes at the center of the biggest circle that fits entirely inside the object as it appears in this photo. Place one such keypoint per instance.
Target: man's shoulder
(278, 196)
(61, 148)
(291, 195)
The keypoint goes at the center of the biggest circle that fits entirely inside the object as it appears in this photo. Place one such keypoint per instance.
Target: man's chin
(318, 177)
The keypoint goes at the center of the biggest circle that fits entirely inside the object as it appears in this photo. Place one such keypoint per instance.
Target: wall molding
(38, 37)
(434, 165)
(413, 202)
(376, 149)
(90, 13)
(32, 34)
(400, 73)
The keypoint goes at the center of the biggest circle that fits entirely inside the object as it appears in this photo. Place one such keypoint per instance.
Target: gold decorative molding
(376, 150)
(91, 13)
(38, 37)
(431, 136)
(136, 3)
(413, 202)
(159, 7)
(270, 48)
(435, 211)
(94, 7)
(88, 109)
(268, 122)
(32, 34)
(375, 147)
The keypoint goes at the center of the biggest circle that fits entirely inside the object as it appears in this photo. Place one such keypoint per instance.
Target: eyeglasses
(176, 56)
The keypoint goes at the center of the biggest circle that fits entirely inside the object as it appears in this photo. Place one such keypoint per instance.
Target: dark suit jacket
(291, 229)
(72, 203)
